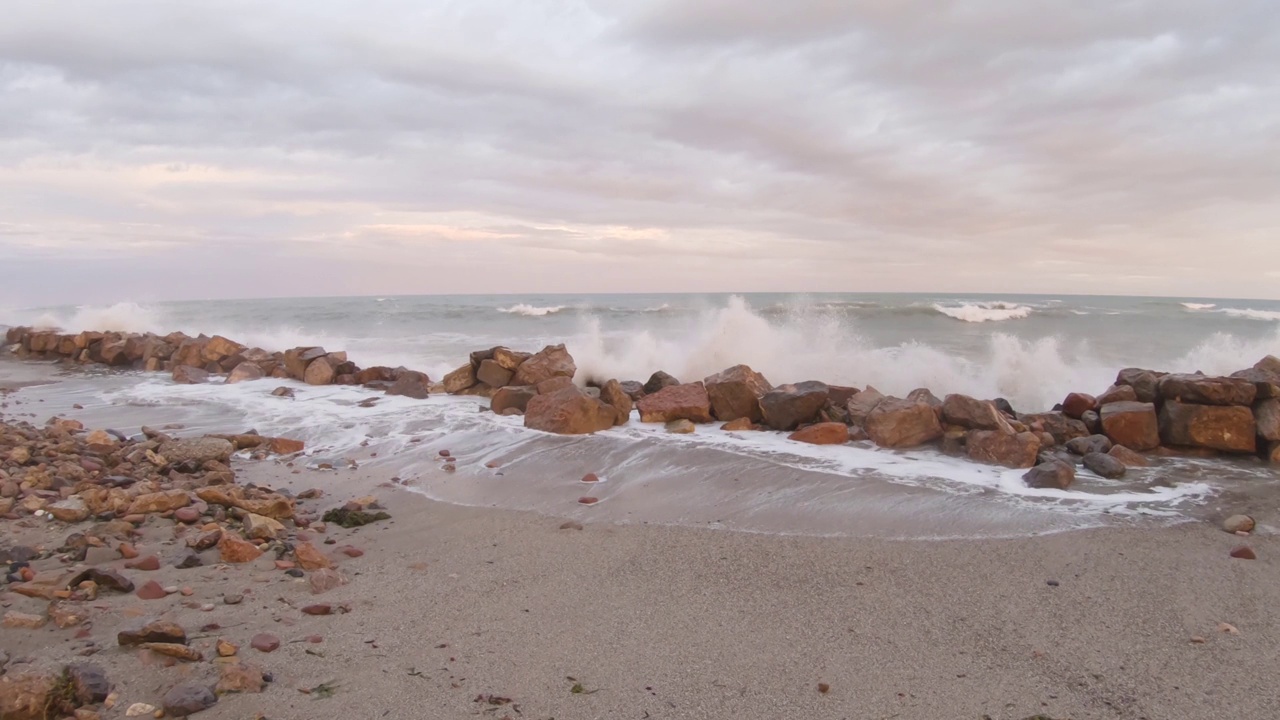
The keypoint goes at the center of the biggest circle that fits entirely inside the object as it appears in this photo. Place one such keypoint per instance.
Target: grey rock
(185, 700)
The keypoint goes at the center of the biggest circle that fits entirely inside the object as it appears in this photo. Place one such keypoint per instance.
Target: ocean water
(1031, 350)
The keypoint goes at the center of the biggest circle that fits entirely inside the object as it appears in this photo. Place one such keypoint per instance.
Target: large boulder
(244, 372)
(568, 411)
(509, 359)
(1104, 465)
(464, 378)
(512, 400)
(551, 361)
(1077, 404)
(376, 374)
(1092, 444)
(1054, 474)
(786, 407)
(410, 384)
(902, 423)
(1229, 428)
(1062, 428)
(1267, 384)
(297, 360)
(1145, 383)
(1267, 415)
(826, 433)
(1131, 424)
(676, 402)
(188, 375)
(1117, 393)
(972, 414)
(613, 395)
(197, 450)
(1002, 448)
(492, 374)
(1201, 390)
(735, 393)
(657, 381)
(320, 371)
(860, 405)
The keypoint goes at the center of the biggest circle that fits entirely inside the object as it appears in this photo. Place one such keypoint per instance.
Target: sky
(152, 149)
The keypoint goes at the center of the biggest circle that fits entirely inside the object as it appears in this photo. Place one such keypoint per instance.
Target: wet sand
(450, 603)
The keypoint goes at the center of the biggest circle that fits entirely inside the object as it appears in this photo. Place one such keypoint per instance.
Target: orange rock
(310, 558)
(233, 549)
(827, 433)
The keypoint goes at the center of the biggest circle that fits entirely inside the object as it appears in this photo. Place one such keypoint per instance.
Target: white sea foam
(1198, 306)
(120, 317)
(1251, 314)
(985, 311)
(532, 310)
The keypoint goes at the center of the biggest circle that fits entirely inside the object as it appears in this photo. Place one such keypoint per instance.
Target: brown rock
(1145, 383)
(156, 631)
(240, 678)
(174, 650)
(226, 649)
(902, 423)
(71, 510)
(187, 375)
(677, 402)
(310, 558)
(65, 614)
(1201, 390)
(827, 433)
(508, 358)
(151, 590)
(739, 425)
(324, 580)
(158, 502)
(233, 549)
(1243, 552)
(551, 361)
(320, 371)
(1077, 404)
(735, 393)
(1131, 424)
(285, 446)
(318, 609)
(245, 372)
(1054, 474)
(1062, 428)
(411, 384)
(26, 695)
(1238, 524)
(1128, 457)
(587, 500)
(264, 642)
(1001, 448)
(1267, 416)
(1218, 427)
(197, 450)
(512, 397)
(786, 407)
(612, 394)
(972, 414)
(461, 379)
(187, 515)
(922, 396)
(568, 412)
(493, 374)
(27, 621)
(259, 527)
(146, 564)
(1117, 393)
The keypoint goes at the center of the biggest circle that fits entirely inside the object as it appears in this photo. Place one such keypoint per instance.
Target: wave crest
(532, 310)
(1199, 306)
(984, 311)
(1251, 314)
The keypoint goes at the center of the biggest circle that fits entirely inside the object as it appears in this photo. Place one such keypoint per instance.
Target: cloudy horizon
(153, 150)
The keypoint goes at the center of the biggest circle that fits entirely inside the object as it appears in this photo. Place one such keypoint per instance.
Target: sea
(1031, 350)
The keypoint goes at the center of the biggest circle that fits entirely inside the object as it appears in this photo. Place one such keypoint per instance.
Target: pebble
(1243, 552)
(318, 609)
(571, 525)
(1051, 583)
(139, 709)
(590, 478)
(146, 564)
(226, 649)
(127, 551)
(187, 515)
(353, 552)
(185, 700)
(151, 591)
(588, 500)
(1238, 524)
(235, 599)
(264, 642)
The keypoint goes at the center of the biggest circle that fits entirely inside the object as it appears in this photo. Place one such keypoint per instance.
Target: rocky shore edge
(1143, 412)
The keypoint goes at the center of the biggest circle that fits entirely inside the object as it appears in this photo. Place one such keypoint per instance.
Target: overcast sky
(160, 149)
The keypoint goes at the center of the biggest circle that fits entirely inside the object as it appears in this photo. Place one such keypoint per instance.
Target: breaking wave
(1251, 314)
(532, 310)
(984, 311)
(1199, 306)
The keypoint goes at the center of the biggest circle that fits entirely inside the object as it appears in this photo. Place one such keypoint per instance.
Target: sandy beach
(451, 605)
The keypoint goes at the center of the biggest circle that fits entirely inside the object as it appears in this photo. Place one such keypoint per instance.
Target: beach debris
(1238, 524)
(1051, 583)
(1243, 552)
(824, 688)
(321, 691)
(346, 518)
(156, 631)
(174, 650)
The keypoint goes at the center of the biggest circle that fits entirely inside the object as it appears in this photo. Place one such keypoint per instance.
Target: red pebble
(590, 478)
(127, 551)
(444, 453)
(150, 562)
(588, 500)
(352, 552)
(151, 591)
(318, 609)
(1243, 552)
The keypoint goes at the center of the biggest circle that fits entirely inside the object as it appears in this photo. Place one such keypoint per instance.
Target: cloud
(639, 145)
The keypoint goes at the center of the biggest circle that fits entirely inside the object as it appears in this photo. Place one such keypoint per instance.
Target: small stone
(590, 478)
(310, 558)
(15, 619)
(681, 427)
(284, 565)
(89, 681)
(323, 580)
(189, 559)
(1196, 639)
(139, 710)
(158, 631)
(151, 590)
(240, 678)
(352, 552)
(66, 615)
(104, 579)
(1238, 524)
(233, 599)
(146, 564)
(824, 688)
(1243, 552)
(235, 550)
(185, 700)
(1051, 583)
(187, 515)
(264, 642)
(1228, 628)
(588, 500)
(318, 609)
(294, 572)
(174, 650)
(571, 525)
(226, 649)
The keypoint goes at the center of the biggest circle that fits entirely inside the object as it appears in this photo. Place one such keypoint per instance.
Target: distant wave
(1199, 306)
(532, 310)
(984, 311)
(1251, 314)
